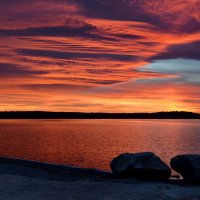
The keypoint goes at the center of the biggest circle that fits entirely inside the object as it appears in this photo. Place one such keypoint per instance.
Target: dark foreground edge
(43, 170)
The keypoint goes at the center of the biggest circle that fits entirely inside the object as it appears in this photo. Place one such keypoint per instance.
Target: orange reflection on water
(93, 143)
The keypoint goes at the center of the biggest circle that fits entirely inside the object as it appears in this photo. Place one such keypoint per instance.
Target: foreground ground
(19, 181)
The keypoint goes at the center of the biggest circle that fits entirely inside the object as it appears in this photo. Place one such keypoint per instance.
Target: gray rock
(188, 166)
(145, 165)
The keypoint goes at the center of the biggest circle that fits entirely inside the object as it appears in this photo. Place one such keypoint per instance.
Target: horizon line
(174, 111)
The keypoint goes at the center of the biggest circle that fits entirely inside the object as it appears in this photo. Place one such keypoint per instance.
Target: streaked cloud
(122, 56)
(185, 50)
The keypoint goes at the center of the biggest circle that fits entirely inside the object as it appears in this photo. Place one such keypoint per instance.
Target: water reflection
(93, 143)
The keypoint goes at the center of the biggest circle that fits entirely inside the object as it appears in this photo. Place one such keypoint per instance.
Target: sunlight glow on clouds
(99, 55)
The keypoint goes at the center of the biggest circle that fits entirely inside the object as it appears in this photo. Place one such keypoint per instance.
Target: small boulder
(146, 166)
(188, 166)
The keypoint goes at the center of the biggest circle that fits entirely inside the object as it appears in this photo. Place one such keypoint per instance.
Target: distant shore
(81, 115)
(22, 180)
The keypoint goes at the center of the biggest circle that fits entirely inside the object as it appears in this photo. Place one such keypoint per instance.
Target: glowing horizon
(100, 56)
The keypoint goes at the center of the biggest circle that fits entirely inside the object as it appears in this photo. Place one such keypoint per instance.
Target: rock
(188, 166)
(177, 176)
(144, 165)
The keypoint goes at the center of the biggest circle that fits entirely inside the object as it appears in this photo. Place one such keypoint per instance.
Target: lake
(93, 143)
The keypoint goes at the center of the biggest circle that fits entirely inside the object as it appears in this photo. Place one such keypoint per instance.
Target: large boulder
(188, 166)
(145, 165)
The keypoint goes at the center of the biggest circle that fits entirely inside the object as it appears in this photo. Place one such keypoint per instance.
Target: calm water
(93, 143)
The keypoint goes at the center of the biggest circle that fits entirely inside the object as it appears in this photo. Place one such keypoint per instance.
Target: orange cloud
(70, 61)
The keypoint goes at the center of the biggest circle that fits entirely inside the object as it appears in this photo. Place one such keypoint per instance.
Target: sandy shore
(27, 180)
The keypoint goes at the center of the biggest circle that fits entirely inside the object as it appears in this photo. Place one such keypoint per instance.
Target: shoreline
(96, 115)
(26, 179)
(14, 166)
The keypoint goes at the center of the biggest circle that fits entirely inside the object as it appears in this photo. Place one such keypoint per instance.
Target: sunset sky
(100, 55)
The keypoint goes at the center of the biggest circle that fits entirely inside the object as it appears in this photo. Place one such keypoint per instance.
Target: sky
(100, 55)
